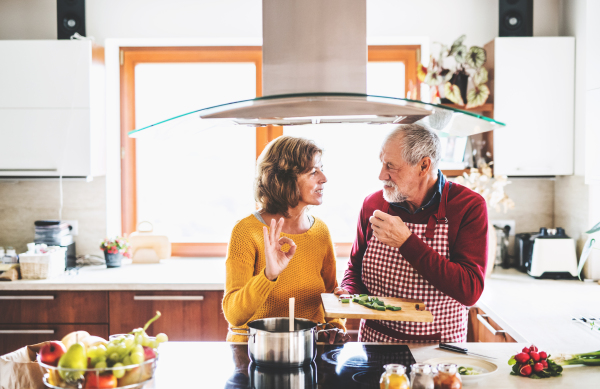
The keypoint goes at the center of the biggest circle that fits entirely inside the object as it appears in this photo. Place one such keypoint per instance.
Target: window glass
(193, 185)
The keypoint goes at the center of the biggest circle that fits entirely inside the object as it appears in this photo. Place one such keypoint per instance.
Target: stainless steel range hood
(314, 72)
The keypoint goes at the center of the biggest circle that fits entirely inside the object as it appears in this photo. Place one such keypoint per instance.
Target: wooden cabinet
(481, 328)
(33, 317)
(533, 83)
(13, 337)
(52, 108)
(53, 307)
(186, 315)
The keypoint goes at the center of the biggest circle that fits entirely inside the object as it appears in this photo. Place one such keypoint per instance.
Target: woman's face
(311, 183)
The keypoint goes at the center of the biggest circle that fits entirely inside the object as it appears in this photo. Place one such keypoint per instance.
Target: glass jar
(394, 377)
(447, 377)
(421, 376)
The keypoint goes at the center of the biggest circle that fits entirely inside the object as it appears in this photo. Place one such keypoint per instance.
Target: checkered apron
(386, 273)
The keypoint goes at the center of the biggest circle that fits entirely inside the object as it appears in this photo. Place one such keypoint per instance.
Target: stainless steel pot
(270, 342)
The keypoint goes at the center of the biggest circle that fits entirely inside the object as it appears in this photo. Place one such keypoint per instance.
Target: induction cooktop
(351, 365)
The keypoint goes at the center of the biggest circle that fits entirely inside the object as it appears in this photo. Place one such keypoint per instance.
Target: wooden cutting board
(334, 308)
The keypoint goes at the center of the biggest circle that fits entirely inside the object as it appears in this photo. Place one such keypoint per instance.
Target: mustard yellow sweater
(249, 295)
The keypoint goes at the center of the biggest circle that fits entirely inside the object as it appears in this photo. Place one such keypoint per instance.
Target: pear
(74, 358)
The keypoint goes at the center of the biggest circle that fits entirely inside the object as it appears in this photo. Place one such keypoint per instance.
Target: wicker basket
(41, 266)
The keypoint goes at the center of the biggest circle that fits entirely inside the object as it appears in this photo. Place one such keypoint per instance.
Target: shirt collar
(435, 199)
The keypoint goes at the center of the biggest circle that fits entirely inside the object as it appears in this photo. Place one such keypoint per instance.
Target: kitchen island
(225, 365)
(532, 311)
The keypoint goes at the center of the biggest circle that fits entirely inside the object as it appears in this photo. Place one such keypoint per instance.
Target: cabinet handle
(26, 331)
(169, 298)
(487, 325)
(26, 297)
(28, 170)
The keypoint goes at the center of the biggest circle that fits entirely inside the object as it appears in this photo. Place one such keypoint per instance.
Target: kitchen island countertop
(210, 364)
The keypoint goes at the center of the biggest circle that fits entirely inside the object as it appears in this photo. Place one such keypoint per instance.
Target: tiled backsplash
(23, 202)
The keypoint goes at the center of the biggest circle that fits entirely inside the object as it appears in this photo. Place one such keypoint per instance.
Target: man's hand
(339, 291)
(390, 230)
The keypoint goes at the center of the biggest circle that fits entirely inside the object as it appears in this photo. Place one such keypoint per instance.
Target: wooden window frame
(131, 56)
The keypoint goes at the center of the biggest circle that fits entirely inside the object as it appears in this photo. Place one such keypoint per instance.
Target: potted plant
(453, 81)
(114, 250)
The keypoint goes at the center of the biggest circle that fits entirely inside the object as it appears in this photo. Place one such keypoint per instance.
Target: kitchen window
(193, 185)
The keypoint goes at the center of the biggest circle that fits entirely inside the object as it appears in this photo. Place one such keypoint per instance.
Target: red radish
(543, 355)
(525, 370)
(544, 363)
(535, 356)
(533, 348)
(538, 367)
(525, 350)
(522, 357)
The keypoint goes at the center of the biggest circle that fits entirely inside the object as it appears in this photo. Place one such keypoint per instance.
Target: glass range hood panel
(330, 108)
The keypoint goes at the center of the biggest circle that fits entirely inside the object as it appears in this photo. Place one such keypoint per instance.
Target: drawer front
(53, 307)
(13, 336)
(186, 315)
(483, 329)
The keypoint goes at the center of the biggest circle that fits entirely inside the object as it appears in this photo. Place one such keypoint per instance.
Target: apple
(51, 352)
(149, 353)
(100, 381)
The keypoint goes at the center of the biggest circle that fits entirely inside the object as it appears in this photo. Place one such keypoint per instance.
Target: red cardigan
(462, 276)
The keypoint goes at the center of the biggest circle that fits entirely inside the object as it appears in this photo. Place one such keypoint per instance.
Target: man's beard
(393, 195)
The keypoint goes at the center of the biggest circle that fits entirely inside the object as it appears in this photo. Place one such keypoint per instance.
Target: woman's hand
(276, 259)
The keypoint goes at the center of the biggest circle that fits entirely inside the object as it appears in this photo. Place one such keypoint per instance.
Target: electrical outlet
(502, 223)
(74, 224)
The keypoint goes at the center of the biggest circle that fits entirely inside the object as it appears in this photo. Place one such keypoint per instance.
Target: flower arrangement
(117, 245)
(491, 188)
(453, 81)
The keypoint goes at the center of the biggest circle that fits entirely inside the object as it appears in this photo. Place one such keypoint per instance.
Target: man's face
(400, 180)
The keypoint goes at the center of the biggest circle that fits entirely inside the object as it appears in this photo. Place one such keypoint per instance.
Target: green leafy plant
(454, 80)
(587, 248)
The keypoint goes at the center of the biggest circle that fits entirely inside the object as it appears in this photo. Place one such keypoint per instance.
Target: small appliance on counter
(148, 247)
(56, 233)
(550, 253)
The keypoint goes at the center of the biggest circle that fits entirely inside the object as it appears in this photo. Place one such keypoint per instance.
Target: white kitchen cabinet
(51, 109)
(533, 94)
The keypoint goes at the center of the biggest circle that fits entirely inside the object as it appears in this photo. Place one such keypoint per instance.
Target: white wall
(440, 20)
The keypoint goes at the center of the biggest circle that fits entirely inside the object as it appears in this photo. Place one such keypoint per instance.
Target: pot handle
(247, 330)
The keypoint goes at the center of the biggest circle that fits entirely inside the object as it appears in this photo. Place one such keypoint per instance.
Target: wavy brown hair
(277, 170)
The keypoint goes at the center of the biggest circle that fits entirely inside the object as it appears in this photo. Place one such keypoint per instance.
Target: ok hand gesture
(276, 259)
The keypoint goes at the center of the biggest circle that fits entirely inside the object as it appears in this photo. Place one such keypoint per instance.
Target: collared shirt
(435, 199)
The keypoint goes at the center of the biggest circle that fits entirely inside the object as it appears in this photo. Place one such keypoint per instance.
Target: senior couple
(421, 237)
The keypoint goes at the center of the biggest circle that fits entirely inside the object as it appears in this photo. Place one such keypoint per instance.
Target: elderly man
(421, 237)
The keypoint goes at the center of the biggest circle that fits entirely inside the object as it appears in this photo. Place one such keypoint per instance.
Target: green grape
(95, 360)
(101, 351)
(130, 341)
(114, 357)
(118, 370)
(139, 339)
(138, 349)
(100, 365)
(127, 361)
(146, 342)
(153, 344)
(122, 350)
(112, 348)
(137, 358)
(161, 338)
(91, 352)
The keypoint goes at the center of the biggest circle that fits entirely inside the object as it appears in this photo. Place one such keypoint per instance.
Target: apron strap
(441, 214)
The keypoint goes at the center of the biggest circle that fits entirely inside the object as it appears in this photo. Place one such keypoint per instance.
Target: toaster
(549, 254)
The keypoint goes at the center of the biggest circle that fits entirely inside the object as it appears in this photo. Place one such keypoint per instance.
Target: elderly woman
(280, 251)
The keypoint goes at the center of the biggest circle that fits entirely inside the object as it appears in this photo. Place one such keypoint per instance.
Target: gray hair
(417, 142)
